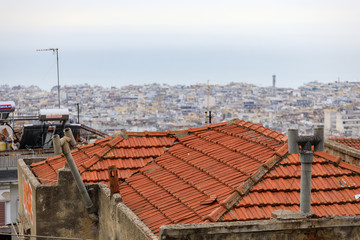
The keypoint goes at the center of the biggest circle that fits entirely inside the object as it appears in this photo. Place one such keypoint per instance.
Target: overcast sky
(116, 43)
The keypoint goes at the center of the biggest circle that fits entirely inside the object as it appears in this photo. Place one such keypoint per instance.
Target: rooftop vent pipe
(62, 146)
(306, 160)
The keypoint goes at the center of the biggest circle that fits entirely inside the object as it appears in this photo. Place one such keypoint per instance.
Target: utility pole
(55, 50)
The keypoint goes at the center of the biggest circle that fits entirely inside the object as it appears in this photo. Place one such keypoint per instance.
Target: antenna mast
(55, 50)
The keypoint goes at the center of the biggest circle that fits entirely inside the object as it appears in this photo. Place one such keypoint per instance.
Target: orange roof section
(93, 160)
(350, 142)
(189, 183)
(231, 171)
(333, 190)
(236, 172)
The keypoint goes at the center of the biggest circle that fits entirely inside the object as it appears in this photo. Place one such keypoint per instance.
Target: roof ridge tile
(213, 125)
(349, 166)
(231, 200)
(113, 142)
(216, 214)
(328, 157)
(35, 164)
(197, 129)
(283, 150)
(90, 162)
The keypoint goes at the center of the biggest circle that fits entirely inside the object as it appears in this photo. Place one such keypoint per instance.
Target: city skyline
(188, 42)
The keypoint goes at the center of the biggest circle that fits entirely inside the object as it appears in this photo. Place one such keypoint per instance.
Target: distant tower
(274, 87)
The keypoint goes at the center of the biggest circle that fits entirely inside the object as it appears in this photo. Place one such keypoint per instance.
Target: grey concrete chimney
(274, 85)
(306, 160)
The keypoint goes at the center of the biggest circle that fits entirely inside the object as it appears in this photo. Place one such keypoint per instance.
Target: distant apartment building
(250, 104)
(343, 123)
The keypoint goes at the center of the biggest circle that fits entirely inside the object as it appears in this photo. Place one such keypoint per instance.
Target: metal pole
(78, 112)
(62, 145)
(78, 180)
(57, 60)
(306, 160)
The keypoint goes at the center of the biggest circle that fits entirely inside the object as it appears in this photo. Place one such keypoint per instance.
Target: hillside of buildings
(158, 107)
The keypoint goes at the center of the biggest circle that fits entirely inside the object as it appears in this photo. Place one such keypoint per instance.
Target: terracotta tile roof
(350, 142)
(333, 190)
(238, 171)
(189, 182)
(223, 172)
(93, 160)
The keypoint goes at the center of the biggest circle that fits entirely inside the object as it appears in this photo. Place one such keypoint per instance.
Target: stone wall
(56, 209)
(60, 210)
(340, 228)
(27, 184)
(348, 154)
(117, 221)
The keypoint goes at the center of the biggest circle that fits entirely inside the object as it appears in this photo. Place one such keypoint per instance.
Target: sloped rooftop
(188, 183)
(93, 160)
(231, 171)
(350, 142)
(236, 172)
(335, 185)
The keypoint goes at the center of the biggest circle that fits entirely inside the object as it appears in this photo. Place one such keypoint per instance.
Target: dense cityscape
(158, 107)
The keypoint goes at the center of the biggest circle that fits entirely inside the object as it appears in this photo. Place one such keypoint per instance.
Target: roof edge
(342, 148)
(125, 212)
(338, 162)
(182, 231)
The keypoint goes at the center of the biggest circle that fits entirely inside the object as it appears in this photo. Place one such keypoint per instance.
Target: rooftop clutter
(229, 171)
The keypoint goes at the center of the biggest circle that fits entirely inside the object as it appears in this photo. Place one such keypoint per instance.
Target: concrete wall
(348, 154)
(56, 209)
(60, 210)
(340, 228)
(14, 201)
(117, 221)
(27, 184)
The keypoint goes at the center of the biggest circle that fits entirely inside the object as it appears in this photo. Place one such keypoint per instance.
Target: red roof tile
(350, 142)
(93, 160)
(333, 190)
(198, 175)
(224, 172)
(247, 170)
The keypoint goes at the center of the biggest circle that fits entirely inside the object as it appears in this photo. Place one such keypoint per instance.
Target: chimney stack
(274, 85)
(306, 160)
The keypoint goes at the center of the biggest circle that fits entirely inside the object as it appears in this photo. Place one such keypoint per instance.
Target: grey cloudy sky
(115, 43)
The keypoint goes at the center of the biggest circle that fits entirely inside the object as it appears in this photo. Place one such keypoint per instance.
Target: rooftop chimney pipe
(62, 146)
(306, 160)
